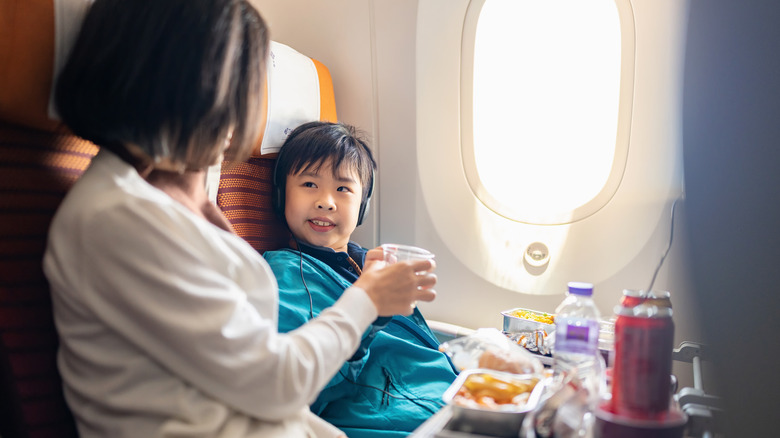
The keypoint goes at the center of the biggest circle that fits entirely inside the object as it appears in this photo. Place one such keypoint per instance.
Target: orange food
(544, 318)
(486, 391)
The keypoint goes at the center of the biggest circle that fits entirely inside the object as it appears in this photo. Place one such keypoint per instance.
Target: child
(322, 185)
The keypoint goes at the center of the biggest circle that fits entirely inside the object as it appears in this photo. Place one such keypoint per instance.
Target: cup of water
(394, 253)
(397, 253)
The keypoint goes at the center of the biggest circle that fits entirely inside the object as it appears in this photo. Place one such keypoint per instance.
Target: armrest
(445, 331)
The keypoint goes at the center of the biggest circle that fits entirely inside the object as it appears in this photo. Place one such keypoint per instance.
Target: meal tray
(513, 324)
(503, 422)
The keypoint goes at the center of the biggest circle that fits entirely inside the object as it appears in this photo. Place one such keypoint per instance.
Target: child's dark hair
(314, 144)
(178, 89)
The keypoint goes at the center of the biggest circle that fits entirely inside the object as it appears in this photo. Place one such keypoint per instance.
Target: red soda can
(641, 380)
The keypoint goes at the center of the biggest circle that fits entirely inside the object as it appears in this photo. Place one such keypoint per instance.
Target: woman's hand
(396, 288)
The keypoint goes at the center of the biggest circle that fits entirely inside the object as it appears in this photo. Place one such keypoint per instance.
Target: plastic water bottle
(577, 336)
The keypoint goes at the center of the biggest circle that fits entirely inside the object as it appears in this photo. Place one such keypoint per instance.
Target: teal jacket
(396, 379)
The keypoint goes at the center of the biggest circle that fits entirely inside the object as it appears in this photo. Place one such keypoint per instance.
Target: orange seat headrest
(26, 62)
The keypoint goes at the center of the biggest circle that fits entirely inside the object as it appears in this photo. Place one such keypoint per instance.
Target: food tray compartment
(514, 324)
(503, 420)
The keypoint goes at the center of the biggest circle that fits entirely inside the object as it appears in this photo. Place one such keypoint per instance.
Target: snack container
(513, 324)
(501, 421)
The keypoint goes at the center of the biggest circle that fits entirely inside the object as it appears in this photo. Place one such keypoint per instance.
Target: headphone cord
(666, 253)
(415, 400)
(300, 265)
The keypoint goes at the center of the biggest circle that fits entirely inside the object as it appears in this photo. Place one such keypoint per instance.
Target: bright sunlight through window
(546, 86)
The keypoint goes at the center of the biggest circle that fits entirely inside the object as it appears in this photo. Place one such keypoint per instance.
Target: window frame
(623, 126)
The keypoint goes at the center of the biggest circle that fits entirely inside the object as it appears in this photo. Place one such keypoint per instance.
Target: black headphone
(280, 185)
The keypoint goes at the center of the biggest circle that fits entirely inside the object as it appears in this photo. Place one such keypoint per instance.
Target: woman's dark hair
(172, 77)
(314, 144)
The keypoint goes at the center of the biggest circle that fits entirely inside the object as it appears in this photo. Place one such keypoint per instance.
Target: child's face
(322, 210)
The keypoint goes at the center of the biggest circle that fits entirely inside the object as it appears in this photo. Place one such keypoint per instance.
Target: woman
(167, 319)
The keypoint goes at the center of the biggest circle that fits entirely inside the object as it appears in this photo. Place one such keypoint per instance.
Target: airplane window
(546, 105)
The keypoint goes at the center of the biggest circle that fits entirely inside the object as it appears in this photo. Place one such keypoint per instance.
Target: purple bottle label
(576, 335)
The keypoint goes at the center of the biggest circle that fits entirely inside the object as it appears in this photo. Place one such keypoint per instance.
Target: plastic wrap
(490, 348)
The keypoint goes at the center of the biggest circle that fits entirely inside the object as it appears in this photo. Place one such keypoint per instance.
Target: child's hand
(374, 259)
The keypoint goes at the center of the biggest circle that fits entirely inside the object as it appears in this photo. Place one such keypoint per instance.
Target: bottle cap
(579, 288)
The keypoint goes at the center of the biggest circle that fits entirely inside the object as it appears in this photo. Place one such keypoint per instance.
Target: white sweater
(168, 323)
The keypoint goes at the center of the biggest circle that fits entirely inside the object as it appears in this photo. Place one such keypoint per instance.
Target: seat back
(36, 169)
(245, 188)
(40, 160)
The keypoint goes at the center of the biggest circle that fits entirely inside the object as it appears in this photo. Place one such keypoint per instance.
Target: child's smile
(321, 225)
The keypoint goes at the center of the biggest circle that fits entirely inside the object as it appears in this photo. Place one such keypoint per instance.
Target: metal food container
(501, 421)
(513, 324)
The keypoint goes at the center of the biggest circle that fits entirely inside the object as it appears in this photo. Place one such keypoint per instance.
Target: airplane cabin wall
(370, 49)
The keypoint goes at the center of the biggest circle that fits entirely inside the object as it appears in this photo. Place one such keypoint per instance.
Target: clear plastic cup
(397, 253)
(394, 252)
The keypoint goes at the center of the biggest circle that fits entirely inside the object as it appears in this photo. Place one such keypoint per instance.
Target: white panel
(293, 94)
(394, 30)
